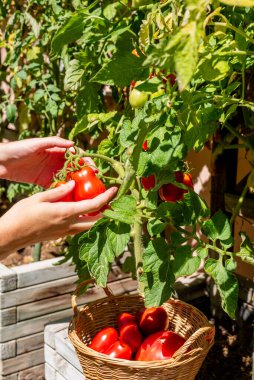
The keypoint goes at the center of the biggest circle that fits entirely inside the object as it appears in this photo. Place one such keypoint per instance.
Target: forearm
(4, 159)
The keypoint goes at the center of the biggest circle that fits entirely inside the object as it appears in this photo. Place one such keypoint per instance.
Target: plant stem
(215, 249)
(239, 204)
(138, 248)
(37, 252)
(115, 164)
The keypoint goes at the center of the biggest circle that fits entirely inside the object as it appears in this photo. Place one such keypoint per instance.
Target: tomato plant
(104, 339)
(201, 54)
(159, 346)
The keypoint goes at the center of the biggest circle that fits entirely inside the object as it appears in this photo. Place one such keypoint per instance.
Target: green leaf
(157, 277)
(218, 227)
(246, 249)
(88, 121)
(70, 31)
(238, 3)
(155, 227)
(127, 134)
(88, 100)
(185, 264)
(184, 49)
(118, 235)
(129, 266)
(52, 107)
(123, 209)
(226, 283)
(33, 23)
(11, 112)
(202, 252)
(97, 252)
(123, 67)
(73, 75)
(213, 70)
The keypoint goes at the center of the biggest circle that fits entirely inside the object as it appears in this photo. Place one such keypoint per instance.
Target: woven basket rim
(185, 358)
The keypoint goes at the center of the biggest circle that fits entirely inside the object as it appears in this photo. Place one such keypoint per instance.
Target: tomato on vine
(148, 183)
(138, 98)
(66, 198)
(172, 193)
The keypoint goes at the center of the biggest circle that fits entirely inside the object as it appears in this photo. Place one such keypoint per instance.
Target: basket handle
(204, 334)
(77, 290)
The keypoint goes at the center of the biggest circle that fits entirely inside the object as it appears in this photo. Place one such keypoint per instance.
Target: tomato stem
(117, 166)
(138, 249)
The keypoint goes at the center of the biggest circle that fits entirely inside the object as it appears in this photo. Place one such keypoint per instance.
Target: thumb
(54, 195)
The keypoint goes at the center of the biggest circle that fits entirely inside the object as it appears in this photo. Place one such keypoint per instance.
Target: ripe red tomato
(145, 145)
(153, 319)
(148, 183)
(125, 319)
(66, 198)
(119, 350)
(159, 346)
(172, 193)
(104, 339)
(87, 185)
(131, 336)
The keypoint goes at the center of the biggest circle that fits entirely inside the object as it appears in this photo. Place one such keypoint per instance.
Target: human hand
(43, 217)
(34, 160)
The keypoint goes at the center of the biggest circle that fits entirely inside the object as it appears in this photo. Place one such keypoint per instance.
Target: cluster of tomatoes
(87, 184)
(143, 337)
(168, 192)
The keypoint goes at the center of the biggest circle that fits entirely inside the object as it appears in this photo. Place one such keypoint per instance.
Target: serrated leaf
(127, 134)
(226, 283)
(122, 62)
(87, 100)
(70, 31)
(126, 202)
(11, 112)
(34, 24)
(73, 75)
(118, 235)
(246, 249)
(97, 253)
(218, 227)
(202, 252)
(155, 227)
(121, 216)
(185, 264)
(157, 276)
(52, 107)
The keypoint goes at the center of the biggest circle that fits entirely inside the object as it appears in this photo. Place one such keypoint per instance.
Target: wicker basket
(184, 319)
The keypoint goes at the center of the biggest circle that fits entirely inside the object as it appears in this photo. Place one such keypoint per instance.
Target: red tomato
(131, 336)
(159, 346)
(87, 185)
(119, 350)
(125, 319)
(145, 145)
(66, 198)
(172, 193)
(171, 78)
(148, 183)
(153, 319)
(104, 339)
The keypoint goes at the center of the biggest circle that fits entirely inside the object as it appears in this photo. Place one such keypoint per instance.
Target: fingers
(95, 204)
(51, 142)
(54, 195)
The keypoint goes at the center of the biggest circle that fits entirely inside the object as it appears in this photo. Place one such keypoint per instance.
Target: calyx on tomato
(104, 339)
(152, 319)
(172, 193)
(159, 346)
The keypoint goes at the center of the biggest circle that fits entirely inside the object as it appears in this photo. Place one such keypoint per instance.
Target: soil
(230, 358)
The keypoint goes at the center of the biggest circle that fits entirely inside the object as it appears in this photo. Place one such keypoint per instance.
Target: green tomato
(138, 98)
(140, 3)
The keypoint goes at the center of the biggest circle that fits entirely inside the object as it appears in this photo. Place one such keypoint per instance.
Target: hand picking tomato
(104, 339)
(148, 183)
(173, 193)
(87, 185)
(159, 346)
(66, 198)
(153, 319)
(119, 350)
(125, 319)
(131, 336)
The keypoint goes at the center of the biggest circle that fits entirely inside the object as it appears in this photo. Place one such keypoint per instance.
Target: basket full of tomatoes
(118, 338)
